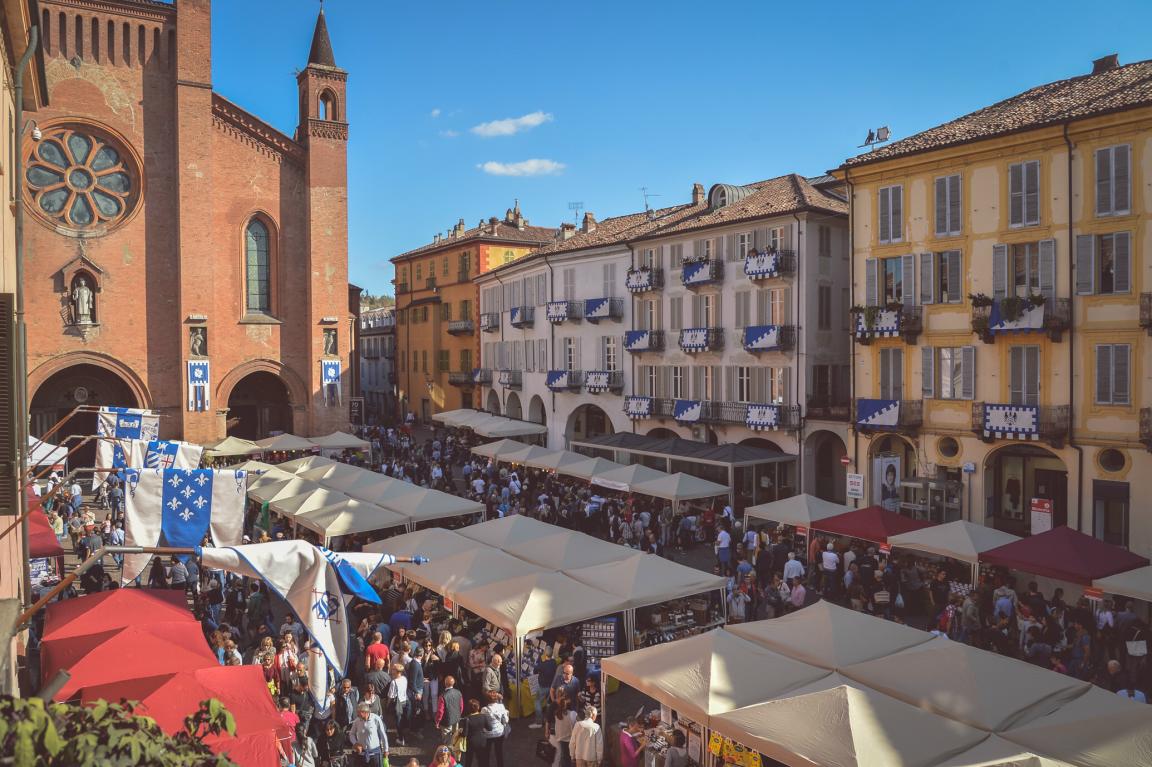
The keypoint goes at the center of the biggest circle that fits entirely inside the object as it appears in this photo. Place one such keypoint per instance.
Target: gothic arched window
(257, 267)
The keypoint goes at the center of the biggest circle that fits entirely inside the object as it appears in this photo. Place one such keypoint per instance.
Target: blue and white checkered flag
(122, 424)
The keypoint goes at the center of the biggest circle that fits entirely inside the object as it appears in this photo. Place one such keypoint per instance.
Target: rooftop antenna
(644, 191)
(576, 207)
(876, 137)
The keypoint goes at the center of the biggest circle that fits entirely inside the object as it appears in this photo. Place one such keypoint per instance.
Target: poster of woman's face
(886, 481)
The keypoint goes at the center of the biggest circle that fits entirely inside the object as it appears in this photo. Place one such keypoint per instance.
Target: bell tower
(323, 132)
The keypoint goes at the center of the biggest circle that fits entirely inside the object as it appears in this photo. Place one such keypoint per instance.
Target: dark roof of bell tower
(321, 52)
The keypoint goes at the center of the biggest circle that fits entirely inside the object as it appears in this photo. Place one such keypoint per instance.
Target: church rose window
(81, 178)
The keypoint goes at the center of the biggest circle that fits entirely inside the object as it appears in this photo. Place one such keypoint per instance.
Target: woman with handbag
(496, 728)
(472, 741)
(565, 720)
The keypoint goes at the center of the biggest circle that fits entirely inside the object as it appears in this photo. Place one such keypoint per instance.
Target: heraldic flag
(178, 507)
(317, 584)
(164, 454)
(121, 424)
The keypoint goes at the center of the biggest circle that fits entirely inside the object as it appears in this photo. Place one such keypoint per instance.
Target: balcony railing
(461, 378)
(992, 421)
(637, 341)
(821, 410)
(1146, 312)
(461, 327)
(430, 283)
(513, 379)
(599, 381)
(490, 322)
(596, 309)
(696, 340)
(522, 316)
(463, 276)
(899, 415)
(1020, 315)
(1146, 427)
(703, 272)
(389, 352)
(769, 264)
(644, 279)
(768, 338)
(755, 416)
(564, 380)
(884, 322)
(482, 376)
(401, 287)
(559, 312)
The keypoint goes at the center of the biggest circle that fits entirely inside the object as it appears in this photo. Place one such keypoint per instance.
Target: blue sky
(609, 97)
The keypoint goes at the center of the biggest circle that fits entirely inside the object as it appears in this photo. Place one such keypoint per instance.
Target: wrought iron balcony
(1057, 317)
(769, 338)
(559, 312)
(755, 416)
(401, 287)
(463, 276)
(992, 421)
(389, 352)
(490, 322)
(564, 380)
(522, 316)
(1021, 315)
(599, 381)
(461, 327)
(637, 341)
(513, 379)
(430, 283)
(1146, 427)
(705, 271)
(899, 415)
(696, 340)
(482, 376)
(596, 309)
(769, 264)
(823, 410)
(644, 279)
(888, 322)
(462, 378)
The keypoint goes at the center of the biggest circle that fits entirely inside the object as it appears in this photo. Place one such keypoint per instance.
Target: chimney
(567, 231)
(1106, 63)
(697, 194)
(459, 230)
(437, 240)
(589, 222)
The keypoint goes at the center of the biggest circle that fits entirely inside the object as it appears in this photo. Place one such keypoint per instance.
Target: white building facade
(377, 362)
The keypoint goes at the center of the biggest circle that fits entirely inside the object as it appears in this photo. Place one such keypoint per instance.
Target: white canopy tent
(528, 603)
(509, 531)
(528, 451)
(232, 446)
(679, 487)
(645, 580)
(423, 505)
(332, 473)
(285, 443)
(348, 517)
(501, 447)
(1136, 584)
(963, 541)
(626, 477)
(449, 417)
(291, 505)
(474, 567)
(45, 454)
(339, 440)
(555, 460)
(798, 510)
(499, 426)
(297, 465)
(270, 490)
(588, 468)
(565, 550)
(435, 543)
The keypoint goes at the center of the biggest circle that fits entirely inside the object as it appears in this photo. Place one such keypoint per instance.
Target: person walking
(495, 729)
(449, 710)
(475, 736)
(587, 742)
(369, 738)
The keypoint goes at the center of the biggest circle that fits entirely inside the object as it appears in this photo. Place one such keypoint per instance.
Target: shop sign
(1041, 515)
(855, 485)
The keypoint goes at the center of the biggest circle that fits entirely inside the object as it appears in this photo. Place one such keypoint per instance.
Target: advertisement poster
(1041, 515)
(886, 481)
(856, 486)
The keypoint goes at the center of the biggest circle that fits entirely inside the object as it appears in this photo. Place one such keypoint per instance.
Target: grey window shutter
(1032, 192)
(697, 311)
(999, 271)
(1120, 179)
(1120, 388)
(885, 214)
(897, 199)
(698, 248)
(718, 311)
(1016, 194)
(785, 392)
(658, 255)
(908, 268)
(697, 382)
(927, 283)
(942, 205)
(730, 384)
(717, 383)
(968, 372)
(1048, 268)
(1016, 375)
(928, 371)
(785, 306)
(886, 374)
(955, 276)
(871, 282)
(1104, 374)
(897, 373)
(1085, 264)
(955, 205)
(763, 306)
(1122, 260)
(1032, 372)
(730, 247)
(1104, 204)
(641, 386)
(718, 248)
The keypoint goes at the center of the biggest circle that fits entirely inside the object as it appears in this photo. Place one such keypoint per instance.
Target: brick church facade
(168, 227)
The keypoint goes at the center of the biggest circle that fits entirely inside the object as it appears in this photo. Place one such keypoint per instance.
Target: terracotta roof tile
(505, 233)
(1113, 90)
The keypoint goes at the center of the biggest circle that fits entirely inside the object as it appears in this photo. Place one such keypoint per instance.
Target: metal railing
(522, 316)
(713, 339)
(655, 343)
(910, 419)
(513, 379)
(644, 279)
(785, 339)
(1053, 423)
(615, 309)
(461, 378)
(490, 322)
(401, 287)
(461, 327)
(826, 411)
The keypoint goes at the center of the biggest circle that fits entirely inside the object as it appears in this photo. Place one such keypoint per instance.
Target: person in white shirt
(792, 568)
(829, 564)
(724, 550)
(751, 538)
(478, 486)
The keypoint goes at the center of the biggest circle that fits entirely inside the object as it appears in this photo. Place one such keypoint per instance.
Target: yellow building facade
(437, 311)
(1001, 282)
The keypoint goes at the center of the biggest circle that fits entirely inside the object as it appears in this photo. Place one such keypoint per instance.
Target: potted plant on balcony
(981, 303)
(869, 315)
(1012, 308)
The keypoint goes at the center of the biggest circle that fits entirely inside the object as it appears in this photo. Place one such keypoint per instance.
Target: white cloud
(449, 133)
(523, 168)
(512, 125)
(435, 113)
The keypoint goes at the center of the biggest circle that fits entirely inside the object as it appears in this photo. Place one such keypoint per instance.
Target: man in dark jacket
(415, 674)
(347, 698)
(449, 710)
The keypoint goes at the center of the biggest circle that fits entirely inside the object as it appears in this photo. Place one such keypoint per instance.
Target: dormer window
(720, 198)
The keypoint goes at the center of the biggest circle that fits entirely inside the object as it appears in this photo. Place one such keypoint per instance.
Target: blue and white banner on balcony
(478, 375)
(1012, 421)
(697, 273)
(886, 325)
(638, 407)
(557, 311)
(763, 417)
(1030, 320)
(687, 410)
(694, 339)
(759, 338)
(638, 280)
(596, 381)
(508, 377)
(761, 266)
(516, 315)
(557, 380)
(877, 412)
(637, 340)
(597, 308)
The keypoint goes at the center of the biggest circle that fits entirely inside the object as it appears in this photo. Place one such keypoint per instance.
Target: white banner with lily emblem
(694, 339)
(763, 417)
(557, 311)
(1012, 421)
(638, 407)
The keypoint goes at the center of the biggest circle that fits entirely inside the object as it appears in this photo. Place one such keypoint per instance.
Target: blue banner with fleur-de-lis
(330, 381)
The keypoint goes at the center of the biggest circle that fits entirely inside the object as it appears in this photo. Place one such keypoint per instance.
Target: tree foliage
(33, 732)
(369, 301)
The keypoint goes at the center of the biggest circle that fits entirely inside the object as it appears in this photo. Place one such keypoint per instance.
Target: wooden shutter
(676, 313)
(1120, 387)
(1122, 262)
(885, 374)
(955, 205)
(658, 257)
(697, 312)
(968, 372)
(698, 248)
(760, 238)
(1032, 375)
(1085, 264)
(953, 262)
(999, 271)
(730, 383)
(942, 206)
(897, 198)
(743, 314)
(718, 244)
(1048, 268)
(1016, 194)
(927, 281)
(1120, 179)
(578, 357)
(871, 282)
(1016, 375)
(885, 214)
(717, 320)
(908, 277)
(763, 306)
(1104, 374)
(730, 247)
(1032, 192)
(928, 371)
(785, 393)
(1104, 202)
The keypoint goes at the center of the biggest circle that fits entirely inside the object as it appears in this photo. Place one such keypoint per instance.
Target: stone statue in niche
(198, 342)
(331, 349)
(83, 302)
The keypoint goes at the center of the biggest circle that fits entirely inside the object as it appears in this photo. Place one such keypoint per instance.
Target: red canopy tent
(116, 609)
(873, 523)
(41, 539)
(1066, 555)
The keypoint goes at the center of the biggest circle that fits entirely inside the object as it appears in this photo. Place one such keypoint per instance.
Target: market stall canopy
(710, 673)
(116, 609)
(272, 490)
(1066, 555)
(499, 426)
(339, 440)
(830, 636)
(998, 752)
(232, 446)
(358, 480)
(644, 579)
(798, 510)
(330, 475)
(589, 467)
(258, 469)
(500, 447)
(435, 543)
(423, 505)
(310, 501)
(979, 688)
(679, 487)
(453, 417)
(387, 490)
(349, 517)
(297, 465)
(568, 550)
(964, 541)
(476, 567)
(538, 601)
(42, 540)
(1136, 584)
(847, 726)
(555, 460)
(528, 451)
(873, 523)
(285, 443)
(627, 477)
(42, 453)
(509, 531)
